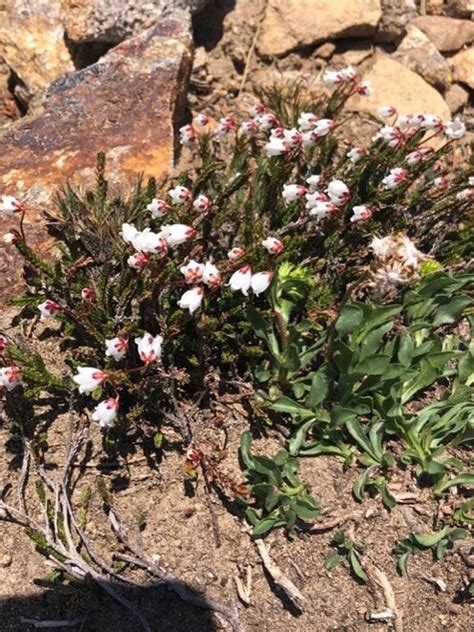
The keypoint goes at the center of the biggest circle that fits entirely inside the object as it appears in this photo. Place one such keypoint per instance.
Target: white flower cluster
(405, 125)
(323, 204)
(397, 261)
(89, 378)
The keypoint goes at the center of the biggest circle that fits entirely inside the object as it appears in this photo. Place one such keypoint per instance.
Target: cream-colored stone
(462, 67)
(293, 24)
(325, 51)
(394, 84)
(447, 34)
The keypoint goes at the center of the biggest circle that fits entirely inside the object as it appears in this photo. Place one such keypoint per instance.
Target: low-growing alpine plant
(286, 258)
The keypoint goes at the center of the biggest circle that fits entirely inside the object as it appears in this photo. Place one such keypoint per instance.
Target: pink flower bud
(211, 275)
(139, 260)
(276, 147)
(48, 309)
(235, 253)
(260, 282)
(157, 208)
(88, 378)
(202, 203)
(387, 111)
(192, 271)
(273, 245)
(241, 280)
(188, 135)
(192, 299)
(257, 110)
(149, 348)
(116, 348)
(106, 412)
(292, 192)
(10, 377)
(201, 120)
(10, 205)
(338, 192)
(364, 88)
(361, 213)
(176, 234)
(395, 177)
(180, 195)
(88, 294)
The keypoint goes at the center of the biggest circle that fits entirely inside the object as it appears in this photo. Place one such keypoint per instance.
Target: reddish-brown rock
(125, 105)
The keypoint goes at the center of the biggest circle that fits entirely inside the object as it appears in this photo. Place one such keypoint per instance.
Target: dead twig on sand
(377, 576)
(60, 537)
(334, 522)
(141, 559)
(280, 579)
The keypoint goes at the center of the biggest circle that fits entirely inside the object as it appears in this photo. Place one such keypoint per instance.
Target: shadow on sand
(86, 608)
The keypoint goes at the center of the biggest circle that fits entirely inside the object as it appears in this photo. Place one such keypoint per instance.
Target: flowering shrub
(165, 297)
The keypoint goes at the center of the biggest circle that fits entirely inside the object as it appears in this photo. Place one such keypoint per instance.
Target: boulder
(293, 24)
(32, 44)
(462, 67)
(116, 20)
(125, 105)
(394, 84)
(419, 53)
(456, 97)
(447, 34)
(395, 16)
(460, 8)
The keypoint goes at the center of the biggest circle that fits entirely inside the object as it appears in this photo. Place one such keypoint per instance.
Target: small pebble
(5, 560)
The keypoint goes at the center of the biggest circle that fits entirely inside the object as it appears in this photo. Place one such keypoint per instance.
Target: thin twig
(280, 579)
(251, 50)
(389, 596)
(334, 522)
(51, 624)
(23, 480)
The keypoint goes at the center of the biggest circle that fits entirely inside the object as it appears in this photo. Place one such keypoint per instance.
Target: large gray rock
(460, 8)
(419, 53)
(395, 16)
(116, 20)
